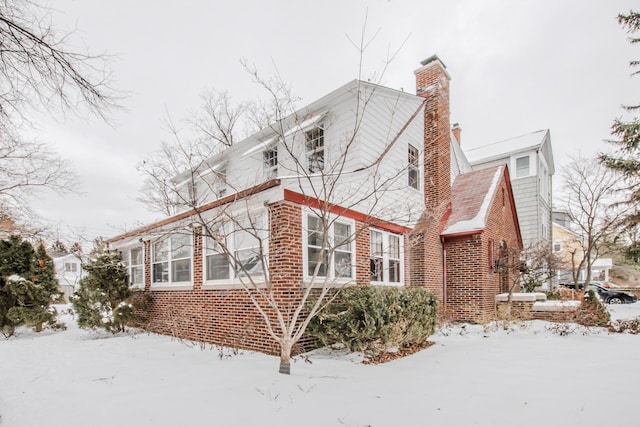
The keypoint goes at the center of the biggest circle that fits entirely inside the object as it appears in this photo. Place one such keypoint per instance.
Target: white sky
(516, 67)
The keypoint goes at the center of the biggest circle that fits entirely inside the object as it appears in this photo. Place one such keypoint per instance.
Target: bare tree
(25, 168)
(239, 239)
(591, 193)
(37, 68)
(39, 72)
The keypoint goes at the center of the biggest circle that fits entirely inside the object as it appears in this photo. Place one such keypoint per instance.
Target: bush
(592, 312)
(630, 326)
(377, 318)
(102, 299)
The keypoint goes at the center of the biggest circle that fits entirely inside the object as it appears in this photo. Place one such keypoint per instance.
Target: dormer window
(315, 149)
(270, 162)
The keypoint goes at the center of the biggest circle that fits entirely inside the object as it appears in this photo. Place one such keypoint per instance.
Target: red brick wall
(472, 283)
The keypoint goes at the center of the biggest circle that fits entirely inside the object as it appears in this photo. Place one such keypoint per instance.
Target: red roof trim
(312, 202)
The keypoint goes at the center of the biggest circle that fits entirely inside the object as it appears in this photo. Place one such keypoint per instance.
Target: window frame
(331, 261)
(171, 260)
(270, 162)
(413, 167)
(386, 257)
(231, 232)
(127, 258)
(315, 150)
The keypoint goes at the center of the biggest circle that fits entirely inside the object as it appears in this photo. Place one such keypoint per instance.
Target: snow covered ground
(524, 375)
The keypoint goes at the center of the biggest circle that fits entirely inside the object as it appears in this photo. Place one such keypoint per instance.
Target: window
(384, 256)
(135, 265)
(71, 267)
(270, 163)
(490, 251)
(217, 262)
(172, 259)
(522, 166)
(413, 167)
(557, 247)
(315, 149)
(543, 179)
(221, 181)
(336, 263)
(247, 249)
(236, 251)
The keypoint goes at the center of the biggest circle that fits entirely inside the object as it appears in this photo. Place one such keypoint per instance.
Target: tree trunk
(285, 357)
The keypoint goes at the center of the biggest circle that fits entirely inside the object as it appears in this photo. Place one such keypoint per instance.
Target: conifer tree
(27, 286)
(626, 161)
(101, 300)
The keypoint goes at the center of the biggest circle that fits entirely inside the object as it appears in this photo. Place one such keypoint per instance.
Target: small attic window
(270, 162)
(522, 167)
(413, 168)
(315, 149)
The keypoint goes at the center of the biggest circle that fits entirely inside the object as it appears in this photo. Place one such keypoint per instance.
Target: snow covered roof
(471, 196)
(507, 147)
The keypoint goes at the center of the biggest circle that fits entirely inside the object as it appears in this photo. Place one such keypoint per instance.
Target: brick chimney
(432, 82)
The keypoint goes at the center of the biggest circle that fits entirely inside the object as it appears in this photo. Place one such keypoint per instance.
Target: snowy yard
(525, 376)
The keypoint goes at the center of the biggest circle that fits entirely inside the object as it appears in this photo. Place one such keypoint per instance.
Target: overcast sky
(516, 67)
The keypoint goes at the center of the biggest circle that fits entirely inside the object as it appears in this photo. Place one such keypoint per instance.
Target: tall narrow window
(522, 166)
(376, 256)
(315, 244)
(270, 163)
(342, 254)
(136, 266)
(315, 149)
(413, 169)
(161, 261)
(394, 259)
(181, 258)
(221, 181)
(247, 248)
(216, 259)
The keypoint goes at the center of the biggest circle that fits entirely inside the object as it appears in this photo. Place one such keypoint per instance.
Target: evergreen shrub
(375, 319)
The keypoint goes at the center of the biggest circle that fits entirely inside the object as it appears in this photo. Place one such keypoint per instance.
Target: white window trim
(270, 172)
(183, 285)
(386, 257)
(130, 266)
(331, 279)
(323, 149)
(234, 282)
(515, 166)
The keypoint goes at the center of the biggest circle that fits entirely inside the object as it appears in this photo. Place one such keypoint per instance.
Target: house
(365, 186)
(567, 246)
(530, 158)
(68, 272)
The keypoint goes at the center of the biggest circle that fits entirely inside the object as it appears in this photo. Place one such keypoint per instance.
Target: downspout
(444, 274)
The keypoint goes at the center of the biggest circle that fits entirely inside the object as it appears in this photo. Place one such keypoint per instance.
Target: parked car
(571, 285)
(611, 296)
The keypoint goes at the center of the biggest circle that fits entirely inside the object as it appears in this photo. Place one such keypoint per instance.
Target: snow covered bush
(28, 286)
(374, 319)
(102, 300)
(628, 326)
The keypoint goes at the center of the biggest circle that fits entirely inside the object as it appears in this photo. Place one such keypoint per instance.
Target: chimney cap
(431, 59)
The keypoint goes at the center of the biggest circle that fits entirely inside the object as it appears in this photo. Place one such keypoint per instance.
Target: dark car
(572, 285)
(611, 296)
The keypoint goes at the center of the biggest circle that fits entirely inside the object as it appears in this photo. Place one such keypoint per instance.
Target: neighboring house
(434, 223)
(68, 272)
(530, 161)
(566, 246)
(7, 226)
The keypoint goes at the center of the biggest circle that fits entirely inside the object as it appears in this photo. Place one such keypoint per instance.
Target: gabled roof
(471, 197)
(507, 147)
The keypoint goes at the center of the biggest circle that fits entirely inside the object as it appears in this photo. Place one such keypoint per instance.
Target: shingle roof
(471, 195)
